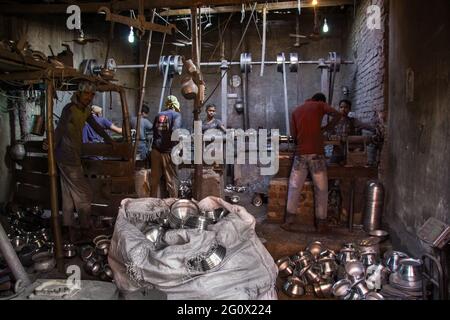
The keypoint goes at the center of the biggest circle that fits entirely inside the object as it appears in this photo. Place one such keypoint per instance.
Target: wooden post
(57, 237)
(142, 93)
(198, 168)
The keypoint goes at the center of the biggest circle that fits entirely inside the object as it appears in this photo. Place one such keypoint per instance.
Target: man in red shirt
(306, 128)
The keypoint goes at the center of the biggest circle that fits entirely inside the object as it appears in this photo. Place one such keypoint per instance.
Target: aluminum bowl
(342, 288)
(180, 211)
(294, 287)
(214, 258)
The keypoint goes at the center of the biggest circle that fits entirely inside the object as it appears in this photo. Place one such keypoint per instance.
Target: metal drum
(374, 206)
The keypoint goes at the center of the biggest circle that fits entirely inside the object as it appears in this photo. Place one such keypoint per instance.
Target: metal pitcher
(374, 206)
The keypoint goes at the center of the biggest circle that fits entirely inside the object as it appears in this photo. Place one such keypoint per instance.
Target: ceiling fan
(82, 40)
(314, 36)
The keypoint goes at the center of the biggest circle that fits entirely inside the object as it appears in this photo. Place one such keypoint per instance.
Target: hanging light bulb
(131, 35)
(325, 27)
(315, 2)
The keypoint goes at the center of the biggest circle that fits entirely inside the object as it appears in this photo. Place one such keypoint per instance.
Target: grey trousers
(76, 194)
(162, 165)
(316, 164)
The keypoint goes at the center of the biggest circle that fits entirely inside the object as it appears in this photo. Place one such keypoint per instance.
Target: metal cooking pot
(392, 259)
(93, 266)
(294, 287)
(189, 89)
(87, 252)
(315, 248)
(180, 211)
(100, 237)
(70, 250)
(285, 268)
(44, 261)
(342, 288)
(411, 270)
(102, 247)
(18, 151)
(370, 245)
(323, 290)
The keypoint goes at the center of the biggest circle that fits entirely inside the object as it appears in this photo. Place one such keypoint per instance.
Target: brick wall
(366, 79)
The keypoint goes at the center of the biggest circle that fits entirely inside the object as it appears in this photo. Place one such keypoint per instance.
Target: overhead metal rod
(233, 63)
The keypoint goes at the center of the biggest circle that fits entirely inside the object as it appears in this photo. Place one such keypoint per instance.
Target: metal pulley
(293, 62)
(175, 64)
(280, 61)
(293, 58)
(335, 61)
(246, 62)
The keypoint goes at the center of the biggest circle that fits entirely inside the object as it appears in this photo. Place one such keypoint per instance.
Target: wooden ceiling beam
(26, 9)
(271, 6)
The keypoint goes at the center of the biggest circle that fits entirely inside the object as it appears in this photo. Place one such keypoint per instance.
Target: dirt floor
(279, 243)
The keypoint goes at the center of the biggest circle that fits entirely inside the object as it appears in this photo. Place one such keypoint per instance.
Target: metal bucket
(374, 206)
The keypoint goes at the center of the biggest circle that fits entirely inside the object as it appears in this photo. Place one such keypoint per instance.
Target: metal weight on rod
(246, 62)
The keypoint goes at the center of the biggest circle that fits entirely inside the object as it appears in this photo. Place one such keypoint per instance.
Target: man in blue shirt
(164, 124)
(143, 150)
(89, 134)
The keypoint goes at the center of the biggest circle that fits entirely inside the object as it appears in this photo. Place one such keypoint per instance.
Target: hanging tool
(243, 13)
(139, 23)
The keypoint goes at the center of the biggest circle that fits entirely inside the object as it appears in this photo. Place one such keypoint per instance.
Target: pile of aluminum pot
(95, 258)
(356, 272)
(185, 214)
(29, 232)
